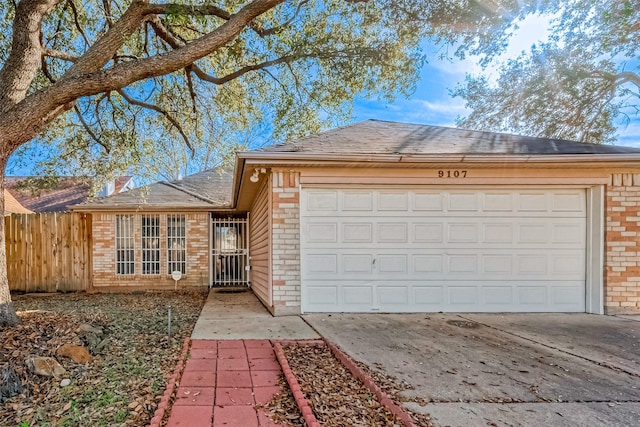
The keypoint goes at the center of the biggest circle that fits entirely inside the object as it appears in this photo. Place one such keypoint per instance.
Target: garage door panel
(322, 232)
(322, 264)
(360, 201)
(424, 202)
(452, 296)
(423, 263)
(425, 296)
(357, 263)
(393, 201)
(393, 296)
(497, 202)
(451, 250)
(322, 201)
(456, 264)
(357, 232)
(573, 201)
(446, 232)
(357, 295)
(427, 232)
(497, 296)
(392, 232)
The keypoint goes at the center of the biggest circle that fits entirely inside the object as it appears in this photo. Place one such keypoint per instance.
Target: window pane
(176, 244)
(150, 244)
(125, 250)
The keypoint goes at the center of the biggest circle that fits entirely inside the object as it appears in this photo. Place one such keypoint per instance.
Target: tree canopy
(131, 74)
(581, 84)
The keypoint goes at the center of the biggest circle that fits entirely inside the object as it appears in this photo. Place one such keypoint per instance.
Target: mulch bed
(124, 379)
(335, 396)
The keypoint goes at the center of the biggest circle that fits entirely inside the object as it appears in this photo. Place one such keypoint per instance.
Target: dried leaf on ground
(336, 397)
(129, 366)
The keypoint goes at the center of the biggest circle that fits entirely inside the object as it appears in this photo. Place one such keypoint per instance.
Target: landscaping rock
(45, 366)
(10, 384)
(77, 353)
(88, 329)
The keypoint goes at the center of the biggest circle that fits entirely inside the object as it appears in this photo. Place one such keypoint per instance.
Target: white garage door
(399, 250)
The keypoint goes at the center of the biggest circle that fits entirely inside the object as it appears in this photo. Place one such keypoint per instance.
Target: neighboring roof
(205, 190)
(67, 191)
(382, 137)
(121, 183)
(11, 205)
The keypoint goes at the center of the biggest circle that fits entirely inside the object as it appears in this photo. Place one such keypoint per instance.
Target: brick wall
(285, 242)
(104, 255)
(622, 244)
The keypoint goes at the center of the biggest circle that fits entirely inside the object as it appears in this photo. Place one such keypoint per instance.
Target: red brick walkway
(223, 381)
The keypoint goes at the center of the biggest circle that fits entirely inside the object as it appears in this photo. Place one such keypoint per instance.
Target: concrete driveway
(502, 370)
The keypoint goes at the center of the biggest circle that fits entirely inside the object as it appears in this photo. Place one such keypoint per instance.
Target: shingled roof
(68, 190)
(212, 189)
(11, 205)
(382, 137)
(205, 190)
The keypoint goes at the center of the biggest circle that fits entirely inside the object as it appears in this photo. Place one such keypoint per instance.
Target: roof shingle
(382, 137)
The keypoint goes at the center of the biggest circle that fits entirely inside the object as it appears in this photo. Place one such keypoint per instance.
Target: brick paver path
(223, 381)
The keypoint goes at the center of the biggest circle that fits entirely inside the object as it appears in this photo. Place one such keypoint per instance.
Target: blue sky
(431, 103)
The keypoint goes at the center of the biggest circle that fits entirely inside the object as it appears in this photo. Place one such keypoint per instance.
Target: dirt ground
(129, 364)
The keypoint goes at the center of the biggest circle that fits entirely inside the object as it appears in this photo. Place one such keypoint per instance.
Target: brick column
(285, 253)
(622, 245)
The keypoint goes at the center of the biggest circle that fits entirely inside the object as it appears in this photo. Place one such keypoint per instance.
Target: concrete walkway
(234, 316)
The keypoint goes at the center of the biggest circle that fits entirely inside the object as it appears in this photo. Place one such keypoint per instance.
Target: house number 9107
(452, 174)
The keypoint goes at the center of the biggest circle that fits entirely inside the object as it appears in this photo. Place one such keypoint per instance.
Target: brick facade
(285, 262)
(104, 255)
(622, 240)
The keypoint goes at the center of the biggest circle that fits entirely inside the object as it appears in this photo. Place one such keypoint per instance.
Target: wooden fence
(48, 252)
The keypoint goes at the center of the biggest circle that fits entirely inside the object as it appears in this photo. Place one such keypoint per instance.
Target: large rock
(45, 366)
(77, 353)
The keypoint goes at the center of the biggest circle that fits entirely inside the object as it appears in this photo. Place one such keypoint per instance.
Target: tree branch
(76, 22)
(23, 61)
(619, 78)
(161, 111)
(89, 130)
(275, 30)
(55, 53)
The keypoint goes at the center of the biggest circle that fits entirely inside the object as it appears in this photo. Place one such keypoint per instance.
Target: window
(150, 244)
(176, 244)
(125, 250)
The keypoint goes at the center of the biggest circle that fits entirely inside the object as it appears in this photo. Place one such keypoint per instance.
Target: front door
(230, 252)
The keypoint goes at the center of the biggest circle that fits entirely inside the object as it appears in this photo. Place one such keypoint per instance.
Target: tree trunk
(8, 315)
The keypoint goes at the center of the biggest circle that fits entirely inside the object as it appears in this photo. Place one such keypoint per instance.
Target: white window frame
(125, 245)
(176, 243)
(150, 243)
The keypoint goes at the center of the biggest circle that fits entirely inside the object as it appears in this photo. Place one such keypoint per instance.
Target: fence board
(48, 252)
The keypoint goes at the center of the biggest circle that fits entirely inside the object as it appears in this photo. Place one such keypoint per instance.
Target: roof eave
(148, 208)
(304, 158)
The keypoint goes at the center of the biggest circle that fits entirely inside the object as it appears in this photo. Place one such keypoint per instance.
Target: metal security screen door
(230, 252)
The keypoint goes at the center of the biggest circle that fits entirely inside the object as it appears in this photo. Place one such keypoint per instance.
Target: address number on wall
(452, 173)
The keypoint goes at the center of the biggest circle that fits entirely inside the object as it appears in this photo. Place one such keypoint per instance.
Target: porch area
(232, 313)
